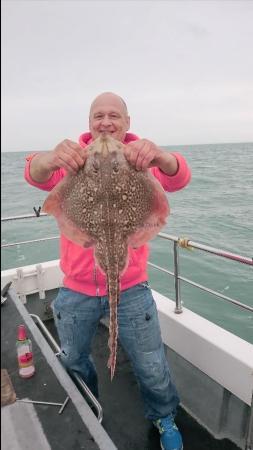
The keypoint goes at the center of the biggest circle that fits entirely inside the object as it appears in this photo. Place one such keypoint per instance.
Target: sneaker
(170, 437)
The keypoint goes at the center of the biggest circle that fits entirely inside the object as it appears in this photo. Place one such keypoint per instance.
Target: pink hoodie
(77, 263)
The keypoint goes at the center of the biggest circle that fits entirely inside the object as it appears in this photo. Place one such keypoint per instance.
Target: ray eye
(95, 166)
(115, 166)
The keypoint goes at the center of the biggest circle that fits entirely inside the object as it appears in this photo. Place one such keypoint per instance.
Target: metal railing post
(178, 308)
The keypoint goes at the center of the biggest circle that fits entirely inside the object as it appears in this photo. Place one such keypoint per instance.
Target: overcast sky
(185, 69)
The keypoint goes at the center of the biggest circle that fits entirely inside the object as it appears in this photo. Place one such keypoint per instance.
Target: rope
(184, 243)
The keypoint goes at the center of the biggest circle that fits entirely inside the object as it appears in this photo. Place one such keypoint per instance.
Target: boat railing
(178, 243)
(78, 379)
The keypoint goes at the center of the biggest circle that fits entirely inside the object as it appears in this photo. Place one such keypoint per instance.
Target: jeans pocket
(147, 330)
(66, 327)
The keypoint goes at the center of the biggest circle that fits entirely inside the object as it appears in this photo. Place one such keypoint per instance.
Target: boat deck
(25, 424)
(122, 407)
(123, 410)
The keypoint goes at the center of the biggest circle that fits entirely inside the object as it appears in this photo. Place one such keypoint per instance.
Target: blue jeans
(77, 317)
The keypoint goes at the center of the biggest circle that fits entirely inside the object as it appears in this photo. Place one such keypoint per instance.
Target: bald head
(108, 97)
(108, 113)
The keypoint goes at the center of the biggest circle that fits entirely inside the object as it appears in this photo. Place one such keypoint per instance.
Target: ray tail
(113, 296)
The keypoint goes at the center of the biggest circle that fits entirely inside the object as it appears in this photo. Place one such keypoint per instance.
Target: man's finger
(144, 157)
(68, 163)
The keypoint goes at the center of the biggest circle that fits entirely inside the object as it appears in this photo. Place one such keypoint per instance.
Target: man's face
(109, 114)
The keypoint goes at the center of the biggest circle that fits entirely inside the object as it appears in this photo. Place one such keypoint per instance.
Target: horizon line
(158, 145)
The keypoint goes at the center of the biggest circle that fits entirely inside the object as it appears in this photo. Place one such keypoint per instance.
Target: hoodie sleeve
(175, 182)
(47, 185)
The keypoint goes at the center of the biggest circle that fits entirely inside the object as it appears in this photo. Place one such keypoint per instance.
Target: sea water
(215, 209)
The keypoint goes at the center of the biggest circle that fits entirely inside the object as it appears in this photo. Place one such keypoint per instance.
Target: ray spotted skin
(109, 205)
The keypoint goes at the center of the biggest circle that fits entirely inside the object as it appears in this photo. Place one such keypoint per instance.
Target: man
(82, 301)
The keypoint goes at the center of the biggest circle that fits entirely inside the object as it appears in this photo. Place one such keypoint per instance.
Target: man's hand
(68, 155)
(143, 154)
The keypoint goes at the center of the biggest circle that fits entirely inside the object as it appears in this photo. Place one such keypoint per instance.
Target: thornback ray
(110, 206)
